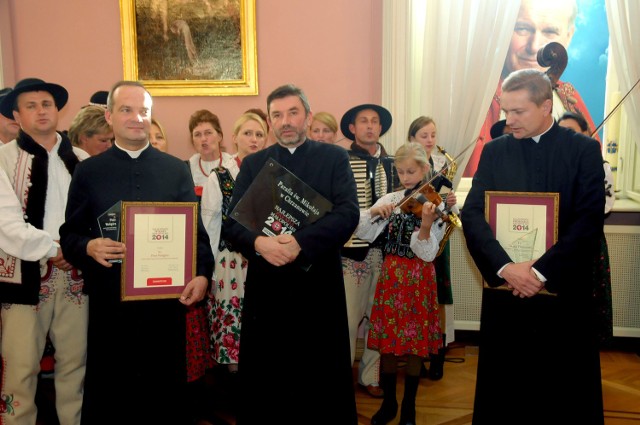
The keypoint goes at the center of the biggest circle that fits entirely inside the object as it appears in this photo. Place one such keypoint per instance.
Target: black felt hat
(350, 116)
(3, 92)
(497, 129)
(99, 98)
(59, 93)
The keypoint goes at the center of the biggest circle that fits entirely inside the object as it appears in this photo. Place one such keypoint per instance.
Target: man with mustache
(41, 293)
(294, 319)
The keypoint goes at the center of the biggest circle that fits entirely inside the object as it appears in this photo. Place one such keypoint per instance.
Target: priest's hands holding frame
(521, 279)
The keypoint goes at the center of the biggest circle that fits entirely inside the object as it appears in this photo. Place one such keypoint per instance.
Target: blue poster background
(588, 57)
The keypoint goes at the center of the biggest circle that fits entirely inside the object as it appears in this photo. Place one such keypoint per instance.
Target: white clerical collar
(132, 154)
(539, 136)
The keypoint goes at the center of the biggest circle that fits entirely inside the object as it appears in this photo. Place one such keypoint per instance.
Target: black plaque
(109, 224)
(278, 202)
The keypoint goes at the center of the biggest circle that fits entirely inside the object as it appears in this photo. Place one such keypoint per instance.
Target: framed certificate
(161, 240)
(524, 223)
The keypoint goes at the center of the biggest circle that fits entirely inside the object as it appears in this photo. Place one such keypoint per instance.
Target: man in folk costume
(361, 262)
(40, 295)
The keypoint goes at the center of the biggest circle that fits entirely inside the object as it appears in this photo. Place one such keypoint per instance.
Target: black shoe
(436, 366)
(424, 372)
(386, 414)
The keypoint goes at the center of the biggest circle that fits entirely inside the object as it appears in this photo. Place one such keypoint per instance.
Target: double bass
(554, 56)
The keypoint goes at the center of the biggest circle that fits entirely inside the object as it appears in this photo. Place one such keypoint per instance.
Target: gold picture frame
(191, 47)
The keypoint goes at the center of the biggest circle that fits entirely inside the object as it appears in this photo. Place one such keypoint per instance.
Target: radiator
(624, 256)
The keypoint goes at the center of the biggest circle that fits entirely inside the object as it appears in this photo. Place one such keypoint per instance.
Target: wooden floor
(450, 400)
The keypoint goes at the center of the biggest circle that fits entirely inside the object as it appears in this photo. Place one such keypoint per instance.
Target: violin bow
(440, 172)
(615, 108)
(428, 182)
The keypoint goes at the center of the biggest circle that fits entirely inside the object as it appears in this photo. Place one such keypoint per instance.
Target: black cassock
(136, 350)
(538, 360)
(295, 363)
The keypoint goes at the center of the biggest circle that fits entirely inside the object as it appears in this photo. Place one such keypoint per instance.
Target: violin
(423, 193)
(412, 204)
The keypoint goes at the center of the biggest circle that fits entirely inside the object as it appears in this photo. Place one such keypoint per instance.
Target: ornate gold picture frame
(190, 47)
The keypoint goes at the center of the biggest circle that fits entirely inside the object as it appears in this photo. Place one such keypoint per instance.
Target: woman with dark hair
(206, 136)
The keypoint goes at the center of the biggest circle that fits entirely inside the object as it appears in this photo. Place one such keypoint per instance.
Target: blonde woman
(249, 135)
(90, 130)
(324, 128)
(157, 136)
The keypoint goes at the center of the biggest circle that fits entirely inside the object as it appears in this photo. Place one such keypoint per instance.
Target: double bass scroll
(554, 56)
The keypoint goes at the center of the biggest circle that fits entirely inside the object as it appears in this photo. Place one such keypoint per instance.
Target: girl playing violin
(423, 130)
(404, 317)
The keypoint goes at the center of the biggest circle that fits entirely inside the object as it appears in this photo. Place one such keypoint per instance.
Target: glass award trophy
(109, 224)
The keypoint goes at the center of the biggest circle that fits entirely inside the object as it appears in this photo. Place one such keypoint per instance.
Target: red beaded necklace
(202, 169)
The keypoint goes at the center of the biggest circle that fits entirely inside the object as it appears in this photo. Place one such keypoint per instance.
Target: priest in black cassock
(538, 355)
(295, 362)
(136, 350)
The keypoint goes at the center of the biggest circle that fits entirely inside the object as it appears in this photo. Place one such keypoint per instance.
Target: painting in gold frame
(190, 47)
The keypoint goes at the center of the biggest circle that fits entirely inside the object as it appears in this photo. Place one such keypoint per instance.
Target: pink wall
(332, 49)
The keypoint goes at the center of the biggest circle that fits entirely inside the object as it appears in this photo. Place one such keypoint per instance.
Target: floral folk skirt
(404, 317)
(225, 306)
